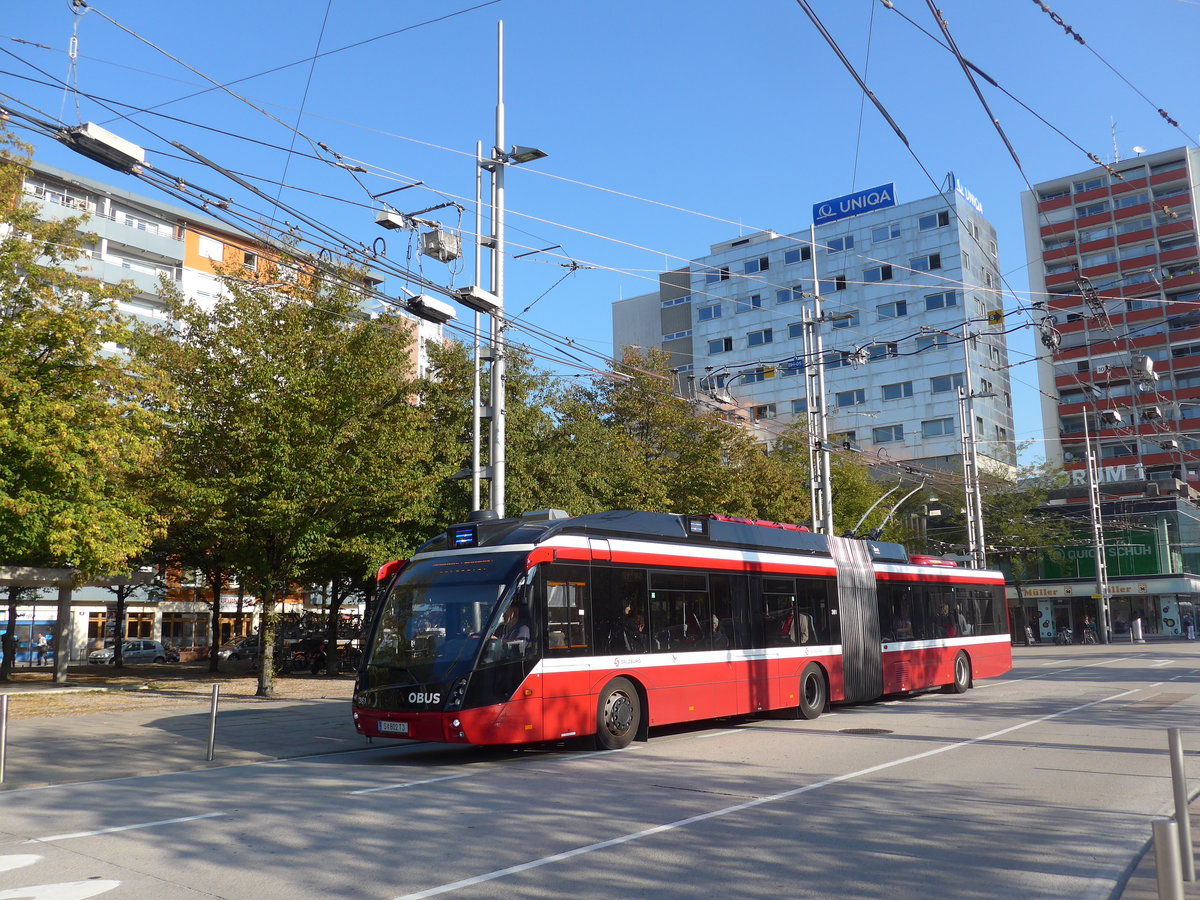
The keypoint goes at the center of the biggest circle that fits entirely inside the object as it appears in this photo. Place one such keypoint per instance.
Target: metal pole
(475, 398)
(497, 459)
(975, 498)
(3, 732)
(212, 722)
(825, 520)
(968, 489)
(1166, 861)
(1093, 482)
(1183, 821)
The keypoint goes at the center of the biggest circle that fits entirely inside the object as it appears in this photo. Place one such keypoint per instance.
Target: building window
(893, 310)
(836, 359)
(934, 220)
(678, 301)
(846, 438)
(850, 398)
(707, 313)
(676, 335)
(898, 391)
(721, 274)
(211, 248)
(836, 245)
(1092, 209)
(937, 427)
(877, 273)
(885, 233)
(787, 295)
(758, 338)
(943, 300)
(1090, 184)
(886, 434)
(845, 320)
(932, 342)
(766, 411)
(754, 301)
(250, 261)
(927, 262)
(884, 351)
(795, 330)
(720, 345)
(800, 407)
(828, 285)
(940, 384)
(754, 266)
(799, 254)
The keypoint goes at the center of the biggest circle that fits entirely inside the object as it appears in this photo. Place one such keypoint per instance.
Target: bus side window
(619, 610)
(567, 624)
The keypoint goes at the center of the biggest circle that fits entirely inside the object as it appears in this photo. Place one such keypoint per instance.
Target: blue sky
(670, 125)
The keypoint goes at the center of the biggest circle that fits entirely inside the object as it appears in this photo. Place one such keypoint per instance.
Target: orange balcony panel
(1130, 212)
(1056, 203)
(1124, 187)
(1095, 271)
(1058, 228)
(1061, 279)
(1138, 262)
(1136, 237)
(1182, 281)
(1053, 255)
(1178, 254)
(1098, 219)
(1179, 174)
(1100, 193)
(1093, 246)
(1177, 227)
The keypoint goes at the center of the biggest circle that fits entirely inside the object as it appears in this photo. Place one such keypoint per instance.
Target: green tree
(294, 417)
(76, 430)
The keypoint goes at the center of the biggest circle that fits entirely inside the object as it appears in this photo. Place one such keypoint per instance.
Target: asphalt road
(1043, 783)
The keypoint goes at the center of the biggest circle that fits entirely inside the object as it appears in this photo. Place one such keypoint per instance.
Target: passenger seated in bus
(719, 640)
(902, 626)
(800, 628)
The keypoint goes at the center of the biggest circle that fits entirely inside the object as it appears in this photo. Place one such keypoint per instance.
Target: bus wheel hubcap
(618, 713)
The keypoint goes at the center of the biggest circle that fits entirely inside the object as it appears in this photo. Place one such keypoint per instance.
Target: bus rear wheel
(962, 675)
(812, 692)
(618, 714)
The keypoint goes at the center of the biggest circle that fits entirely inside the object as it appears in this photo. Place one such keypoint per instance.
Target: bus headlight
(458, 691)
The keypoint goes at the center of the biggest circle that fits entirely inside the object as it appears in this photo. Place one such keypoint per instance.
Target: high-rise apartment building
(1115, 274)
(911, 313)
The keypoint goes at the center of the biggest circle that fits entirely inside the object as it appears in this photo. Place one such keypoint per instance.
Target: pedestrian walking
(42, 646)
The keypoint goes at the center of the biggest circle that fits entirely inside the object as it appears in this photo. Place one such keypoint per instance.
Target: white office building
(911, 312)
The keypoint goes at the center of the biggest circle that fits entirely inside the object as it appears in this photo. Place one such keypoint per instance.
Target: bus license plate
(393, 727)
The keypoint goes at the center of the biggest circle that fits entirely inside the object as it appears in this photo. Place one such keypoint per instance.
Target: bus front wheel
(812, 692)
(962, 675)
(618, 714)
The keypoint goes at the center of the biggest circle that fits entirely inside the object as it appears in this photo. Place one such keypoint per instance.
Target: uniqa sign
(853, 204)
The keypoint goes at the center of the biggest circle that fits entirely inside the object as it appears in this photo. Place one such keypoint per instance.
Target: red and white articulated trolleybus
(545, 627)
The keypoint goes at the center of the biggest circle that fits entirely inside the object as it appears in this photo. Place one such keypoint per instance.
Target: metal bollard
(1166, 861)
(1183, 821)
(3, 732)
(212, 723)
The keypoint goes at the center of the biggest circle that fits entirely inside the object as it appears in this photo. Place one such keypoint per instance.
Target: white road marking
(691, 820)
(991, 683)
(404, 784)
(17, 861)
(67, 890)
(79, 834)
(1161, 663)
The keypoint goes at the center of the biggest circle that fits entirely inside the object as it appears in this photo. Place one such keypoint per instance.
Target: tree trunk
(269, 621)
(331, 627)
(119, 628)
(8, 644)
(216, 581)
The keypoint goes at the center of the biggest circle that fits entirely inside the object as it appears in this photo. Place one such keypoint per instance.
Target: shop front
(1159, 606)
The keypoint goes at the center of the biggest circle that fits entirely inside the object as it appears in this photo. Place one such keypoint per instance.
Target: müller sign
(853, 204)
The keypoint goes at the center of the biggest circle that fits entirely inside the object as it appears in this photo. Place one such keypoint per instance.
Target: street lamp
(492, 303)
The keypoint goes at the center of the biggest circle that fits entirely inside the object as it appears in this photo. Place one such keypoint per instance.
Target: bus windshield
(433, 618)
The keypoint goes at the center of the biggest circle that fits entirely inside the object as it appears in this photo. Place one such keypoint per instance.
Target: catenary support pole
(212, 722)
(1166, 860)
(1183, 822)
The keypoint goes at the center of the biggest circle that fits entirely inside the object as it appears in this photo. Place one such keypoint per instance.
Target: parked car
(240, 648)
(131, 652)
